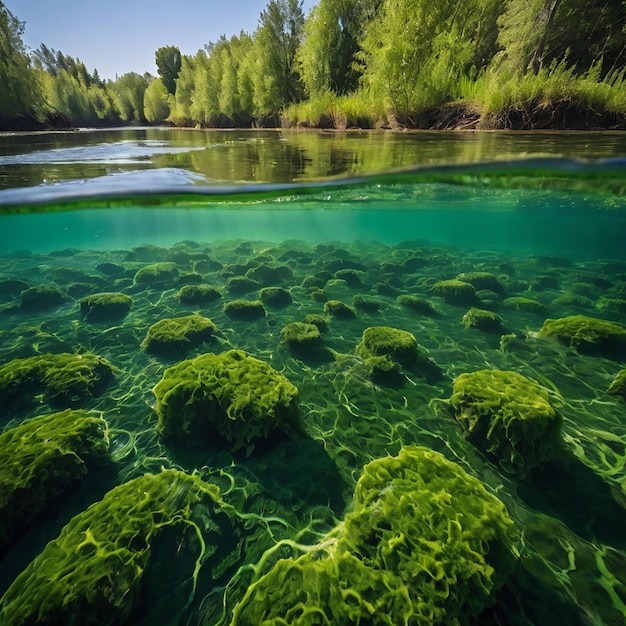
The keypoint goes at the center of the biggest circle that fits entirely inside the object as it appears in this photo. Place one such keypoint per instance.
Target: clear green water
(551, 231)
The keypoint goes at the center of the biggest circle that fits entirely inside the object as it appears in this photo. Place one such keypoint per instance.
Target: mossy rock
(178, 334)
(486, 321)
(238, 285)
(275, 297)
(64, 379)
(483, 280)
(612, 305)
(41, 298)
(317, 320)
(382, 370)
(268, 275)
(198, 294)
(156, 274)
(12, 287)
(426, 544)
(102, 307)
(367, 305)
(398, 345)
(508, 416)
(350, 277)
(244, 309)
(301, 337)
(618, 386)
(526, 305)
(573, 300)
(587, 334)
(108, 268)
(319, 295)
(42, 458)
(233, 395)
(416, 304)
(455, 291)
(339, 309)
(94, 572)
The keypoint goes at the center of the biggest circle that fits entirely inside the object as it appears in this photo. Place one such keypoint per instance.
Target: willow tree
(278, 37)
(416, 52)
(20, 94)
(332, 33)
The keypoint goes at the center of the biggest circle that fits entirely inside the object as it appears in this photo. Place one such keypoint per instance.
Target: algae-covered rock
(156, 274)
(41, 459)
(483, 280)
(244, 309)
(526, 305)
(93, 573)
(198, 294)
(426, 544)
(487, 321)
(587, 334)
(618, 386)
(178, 334)
(232, 394)
(508, 416)
(317, 320)
(239, 285)
(101, 307)
(64, 379)
(455, 291)
(276, 297)
(399, 345)
(339, 309)
(40, 298)
(416, 304)
(301, 337)
(367, 305)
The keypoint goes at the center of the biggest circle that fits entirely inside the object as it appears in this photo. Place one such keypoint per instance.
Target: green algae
(301, 337)
(483, 280)
(275, 297)
(42, 458)
(198, 294)
(455, 291)
(233, 395)
(587, 334)
(40, 298)
(62, 378)
(618, 385)
(93, 572)
(425, 544)
(178, 335)
(156, 274)
(416, 304)
(487, 321)
(101, 307)
(244, 309)
(527, 305)
(339, 309)
(392, 343)
(508, 416)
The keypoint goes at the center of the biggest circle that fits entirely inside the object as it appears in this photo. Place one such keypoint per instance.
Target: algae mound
(232, 394)
(508, 416)
(92, 573)
(587, 334)
(40, 298)
(101, 307)
(62, 378)
(301, 337)
(198, 294)
(426, 544)
(393, 343)
(244, 309)
(41, 459)
(455, 291)
(485, 321)
(178, 334)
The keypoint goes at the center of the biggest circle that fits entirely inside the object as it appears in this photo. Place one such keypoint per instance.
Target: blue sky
(119, 36)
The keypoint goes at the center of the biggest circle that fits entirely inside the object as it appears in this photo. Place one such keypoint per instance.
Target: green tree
(20, 94)
(130, 89)
(169, 62)
(332, 34)
(156, 106)
(181, 110)
(279, 36)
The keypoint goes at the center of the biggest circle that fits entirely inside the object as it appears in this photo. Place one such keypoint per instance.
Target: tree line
(349, 62)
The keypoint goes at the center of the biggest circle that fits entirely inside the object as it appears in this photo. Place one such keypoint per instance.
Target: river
(364, 279)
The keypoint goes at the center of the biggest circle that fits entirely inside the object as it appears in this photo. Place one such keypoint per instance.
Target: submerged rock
(101, 307)
(198, 294)
(97, 571)
(486, 321)
(244, 309)
(509, 417)
(455, 291)
(41, 459)
(40, 298)
(425, 544)
(178, 334)
(339, 309)
(232, 395)
(64, 379)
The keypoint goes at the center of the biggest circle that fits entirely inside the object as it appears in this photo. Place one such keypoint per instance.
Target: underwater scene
(387, 399)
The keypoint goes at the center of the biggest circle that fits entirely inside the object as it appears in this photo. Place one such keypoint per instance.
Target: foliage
(20, 94)
(168, 62)
(233, 395)
(92, 573)
(156, 102)
(426, 543)
(42, 458)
